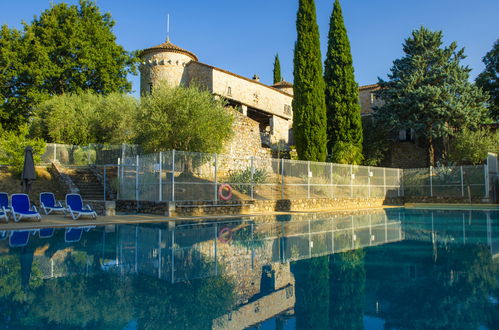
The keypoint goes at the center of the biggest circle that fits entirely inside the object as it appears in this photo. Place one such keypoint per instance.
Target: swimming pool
(397, 268)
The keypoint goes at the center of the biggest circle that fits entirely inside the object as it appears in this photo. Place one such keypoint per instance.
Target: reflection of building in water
(256, 255)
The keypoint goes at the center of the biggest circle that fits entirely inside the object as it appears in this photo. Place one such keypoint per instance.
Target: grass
(11, 184)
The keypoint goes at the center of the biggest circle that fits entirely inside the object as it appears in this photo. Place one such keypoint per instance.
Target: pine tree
(488, 80)
(277, 69)
(429, 91)
(344, 124)
(309, 120)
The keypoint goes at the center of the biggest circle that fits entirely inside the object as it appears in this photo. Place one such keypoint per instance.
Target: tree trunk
(431, 152)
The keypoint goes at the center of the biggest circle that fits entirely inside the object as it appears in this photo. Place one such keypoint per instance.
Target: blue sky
(243, 36)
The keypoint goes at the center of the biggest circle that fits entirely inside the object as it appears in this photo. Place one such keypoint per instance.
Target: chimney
(256, 78)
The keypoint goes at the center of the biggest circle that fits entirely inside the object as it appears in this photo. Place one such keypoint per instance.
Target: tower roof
(169, 47)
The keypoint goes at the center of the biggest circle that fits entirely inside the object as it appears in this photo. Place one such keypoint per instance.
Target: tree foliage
(277, 69)
(182, 118)
(309, 120)
(376, 141)
(12, 144)
(86, 118)
(428, 90)
(472, 146)
(488, 80)
(66, 49)
(344, 125)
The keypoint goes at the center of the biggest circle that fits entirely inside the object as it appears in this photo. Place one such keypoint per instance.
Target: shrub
(471, 147)
(12, 146)
(182, 118)
(244, 178)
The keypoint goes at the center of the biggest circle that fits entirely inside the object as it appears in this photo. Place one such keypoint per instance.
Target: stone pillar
(279, 129)
(244, 109)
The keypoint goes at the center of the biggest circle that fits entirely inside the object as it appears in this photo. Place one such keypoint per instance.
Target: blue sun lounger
(21, 208)
(46, 232)
(3, 235)
(19, 238)
(74, 205)
(3, 214)
(73, 234)
(4, 206)
(49, 204)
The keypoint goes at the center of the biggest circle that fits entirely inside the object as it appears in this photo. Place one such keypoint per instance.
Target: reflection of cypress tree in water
(312, 292)
(452, 294)
(347, 280)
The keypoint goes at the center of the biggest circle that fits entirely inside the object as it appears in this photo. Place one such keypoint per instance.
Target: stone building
(268, 106)
(407, 151)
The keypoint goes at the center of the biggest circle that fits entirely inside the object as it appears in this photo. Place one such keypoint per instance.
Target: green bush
(471, 147)
(182, 118)
(259, 176)
(12, 146)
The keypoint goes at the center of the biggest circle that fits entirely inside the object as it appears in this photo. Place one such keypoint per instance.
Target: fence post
(137, 177)
(369, 181)
(399, 182)
(160, 176)
(431, 181)
(282, 178)
(55, 151)
(215, 177)
(105, 182)
(384, 182)
(351, 181)
(332, 182)
(119, 179)
(173, 175)
(308, 179)
(252, 170)
(486, 178)
(462, 182)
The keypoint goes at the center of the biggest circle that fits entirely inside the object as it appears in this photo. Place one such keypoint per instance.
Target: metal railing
(450, 181)
(188, 176)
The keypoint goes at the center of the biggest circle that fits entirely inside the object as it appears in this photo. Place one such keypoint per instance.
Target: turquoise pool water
(392, 269)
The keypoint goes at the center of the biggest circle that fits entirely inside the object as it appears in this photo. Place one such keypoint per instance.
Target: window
(287, 109)
(406, 134)
(373, 98)
(229, 91)
(150, 87)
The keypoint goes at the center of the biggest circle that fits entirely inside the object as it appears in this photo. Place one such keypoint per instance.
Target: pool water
(387, 269)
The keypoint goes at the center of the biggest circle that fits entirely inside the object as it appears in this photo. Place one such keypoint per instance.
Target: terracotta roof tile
(168, 46)
(282, 84)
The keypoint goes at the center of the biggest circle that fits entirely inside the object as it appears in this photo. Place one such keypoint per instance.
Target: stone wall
(249, 207)
(407, 154)
(246, 141)
(367, 99)
(242, 90)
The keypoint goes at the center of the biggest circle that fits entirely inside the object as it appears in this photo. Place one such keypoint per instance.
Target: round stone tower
(164, 62)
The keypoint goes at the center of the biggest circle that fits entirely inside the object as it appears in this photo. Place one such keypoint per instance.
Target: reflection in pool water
(400, 269)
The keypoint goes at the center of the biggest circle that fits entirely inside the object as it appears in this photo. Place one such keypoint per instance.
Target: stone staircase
(88, 184)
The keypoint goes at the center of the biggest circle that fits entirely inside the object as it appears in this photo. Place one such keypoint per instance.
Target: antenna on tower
(168, 27)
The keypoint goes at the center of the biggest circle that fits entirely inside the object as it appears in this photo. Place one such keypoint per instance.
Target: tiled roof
(168, 46)
(373, 86)
(282, 84)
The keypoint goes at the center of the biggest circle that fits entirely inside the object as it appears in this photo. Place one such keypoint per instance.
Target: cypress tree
(309, 120)
(277, 69)
(344, 124)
